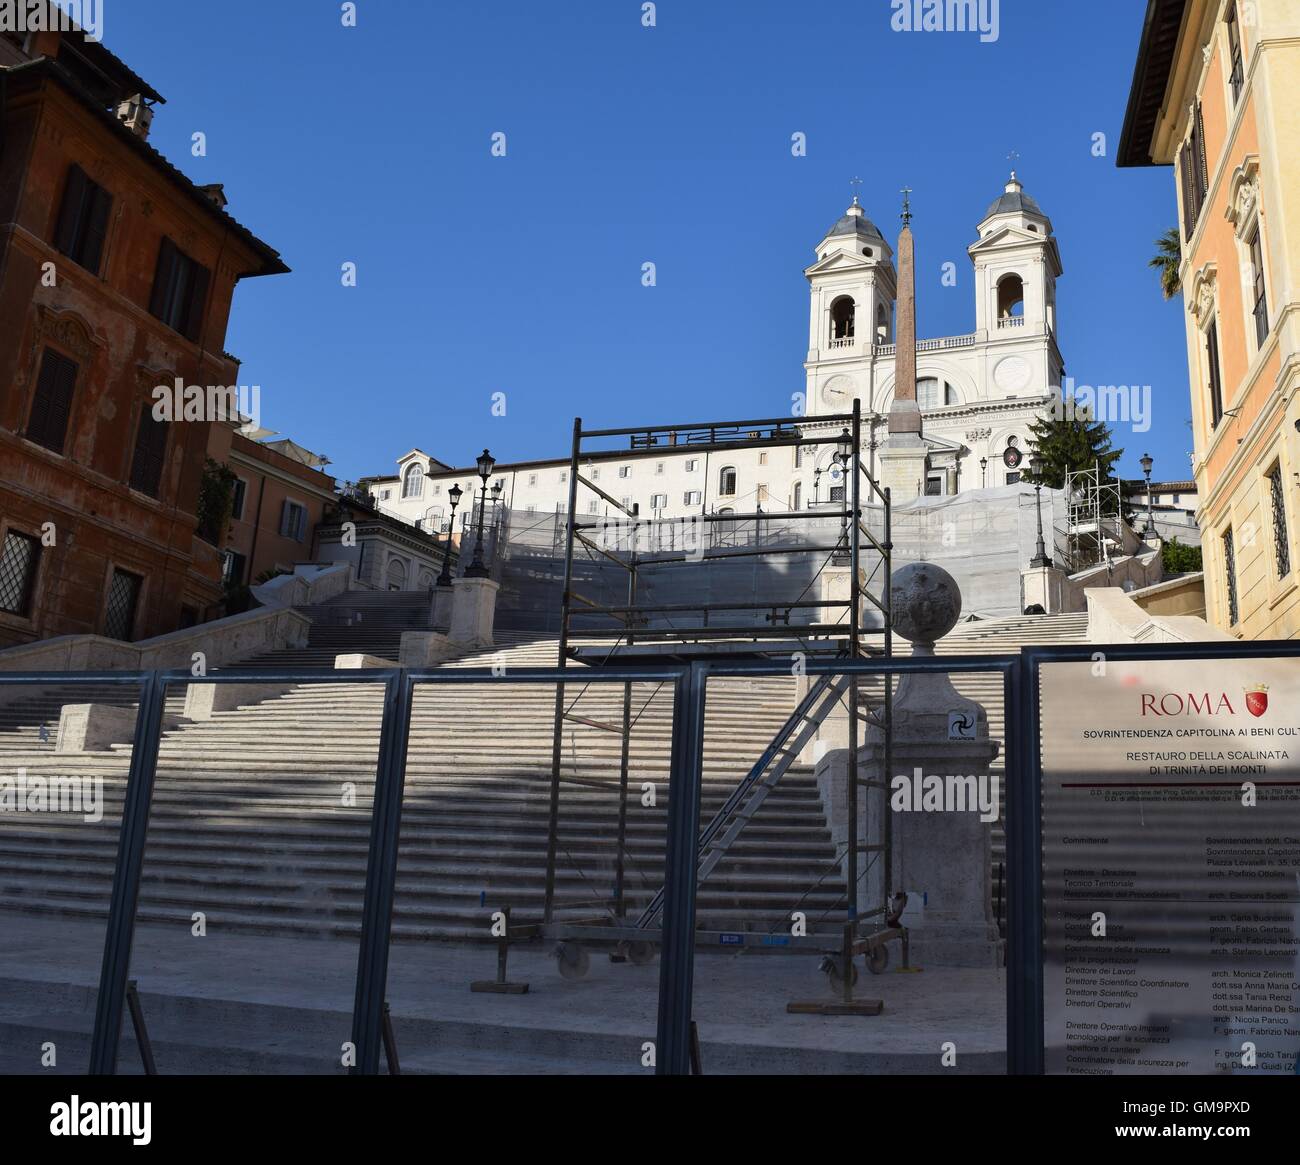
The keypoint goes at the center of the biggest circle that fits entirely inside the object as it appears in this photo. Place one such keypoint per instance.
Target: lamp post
(1146, 464)
(453, 495)
(843, 456)
(1036, 468)
(477, 569)
(984, 473)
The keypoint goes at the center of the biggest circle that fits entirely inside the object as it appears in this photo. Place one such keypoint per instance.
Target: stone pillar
(903, 466)
(202, 700)
(425, 648)
(94, 727)
(473, 612)
(440, 607)
(942, 798)
(1043, 586)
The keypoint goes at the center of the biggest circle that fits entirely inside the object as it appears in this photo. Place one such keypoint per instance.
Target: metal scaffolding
(707, 626)
(1093, 517)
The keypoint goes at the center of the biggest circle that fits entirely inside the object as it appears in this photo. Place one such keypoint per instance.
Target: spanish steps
(260, 815)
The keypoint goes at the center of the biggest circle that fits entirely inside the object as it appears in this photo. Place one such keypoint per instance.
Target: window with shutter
(293, 521)
(47, 424)
(180, 291)
(1203, 169)
(83, 220)
(1216, 374)
(1194, 172)
(150, 454)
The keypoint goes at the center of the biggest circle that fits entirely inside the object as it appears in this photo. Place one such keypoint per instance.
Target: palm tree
(1168, 260)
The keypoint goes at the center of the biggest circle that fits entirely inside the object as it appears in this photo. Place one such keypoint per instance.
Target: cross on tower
(906, 192)
(855, 183)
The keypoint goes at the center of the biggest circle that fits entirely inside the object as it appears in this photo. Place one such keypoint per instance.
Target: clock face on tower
(837, 392)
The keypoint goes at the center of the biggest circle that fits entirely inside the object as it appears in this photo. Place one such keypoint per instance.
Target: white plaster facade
(979, 392)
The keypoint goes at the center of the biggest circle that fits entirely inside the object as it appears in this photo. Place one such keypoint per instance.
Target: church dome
(1014, 200)
(855, 222)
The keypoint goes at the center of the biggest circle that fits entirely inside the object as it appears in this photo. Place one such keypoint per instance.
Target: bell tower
(853, 287)
(1016, 266)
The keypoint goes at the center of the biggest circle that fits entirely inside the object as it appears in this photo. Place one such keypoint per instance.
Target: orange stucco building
(116, 276)
(1215, 96)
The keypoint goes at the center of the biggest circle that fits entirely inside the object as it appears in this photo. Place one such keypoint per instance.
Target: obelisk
(903, 454)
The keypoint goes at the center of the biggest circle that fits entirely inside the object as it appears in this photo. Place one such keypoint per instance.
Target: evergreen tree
(1068, 441)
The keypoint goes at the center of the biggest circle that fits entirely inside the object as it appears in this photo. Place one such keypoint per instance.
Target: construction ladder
(754, 787)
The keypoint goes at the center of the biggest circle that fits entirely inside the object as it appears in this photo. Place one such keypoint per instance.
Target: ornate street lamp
(453, 495)
(477, 569)
(1036, 468)
(984, 472)
(1146, 464)
(844, 449)
(844, 457)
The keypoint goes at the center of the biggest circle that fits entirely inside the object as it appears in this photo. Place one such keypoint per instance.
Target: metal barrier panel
(66, 750)
(252, 880)
(817, 948)
(1171, 859)
(513, 946)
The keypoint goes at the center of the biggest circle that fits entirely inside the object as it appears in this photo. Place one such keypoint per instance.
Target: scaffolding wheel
(878, 959)
(572, 960)
(640, 953)
(833, 966)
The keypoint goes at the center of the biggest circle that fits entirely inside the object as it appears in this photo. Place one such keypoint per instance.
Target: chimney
(216, 192)
(135, 115)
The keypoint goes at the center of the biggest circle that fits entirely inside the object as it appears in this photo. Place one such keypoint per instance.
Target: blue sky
(522, 275)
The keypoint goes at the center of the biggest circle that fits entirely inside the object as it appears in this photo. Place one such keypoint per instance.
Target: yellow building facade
(1216, 95)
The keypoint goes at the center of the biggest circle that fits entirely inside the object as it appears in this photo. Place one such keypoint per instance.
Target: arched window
(932, 393)
(727, 482)
(842, 312)
(1011, 297)
(726, 530)
(426, 580)
(796, 499)
(396, 574)
(882, 324)
(413, 481)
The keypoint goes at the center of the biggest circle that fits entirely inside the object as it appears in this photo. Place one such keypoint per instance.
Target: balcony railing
(1011, 322)
(967, 341)
(842, 342)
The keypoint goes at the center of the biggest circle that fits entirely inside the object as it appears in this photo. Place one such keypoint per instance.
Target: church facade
(978, 393)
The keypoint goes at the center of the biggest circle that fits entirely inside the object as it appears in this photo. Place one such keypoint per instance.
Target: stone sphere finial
(926, 604)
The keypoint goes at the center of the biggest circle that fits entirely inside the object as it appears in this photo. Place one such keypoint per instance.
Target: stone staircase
(261, 814)
(29, 716)
(261, 824)
(355, 622)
